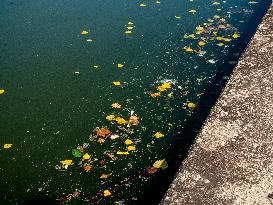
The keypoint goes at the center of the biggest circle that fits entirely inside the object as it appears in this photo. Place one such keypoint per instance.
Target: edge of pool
(231, 159)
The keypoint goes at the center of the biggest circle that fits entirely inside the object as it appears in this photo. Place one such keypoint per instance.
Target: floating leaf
(84, 32)
(133, 120)
(191, 105)
(128, 142)
(142, 5)
(2, 91)
(216, 3)
(192, 11)
(121, 121)
(252, 2)
(220, 44)
(116, 105)
(129, 27)
(131, 148)
(7, 146)
(160, 89)
(67, 162)
(161, 164)
(113, 137)
(222, 26)
(155, 94)
(100, 140)
(200, 28)
(216, 17)
(104, 176)
(106, 193)
(117, 83)
(122, 153)
(86, 156)
(157, 2)
(128, 32)
(102, 132)
(201, 43)
(235, 35)
(87, 168)
(120, 65)
(166, 85)
(130, 23)
(151, 170)
(158, 135)
(89, 40)
(95, 66)
(111, 117)
(177, 17)
(76, 153)
(188, 49)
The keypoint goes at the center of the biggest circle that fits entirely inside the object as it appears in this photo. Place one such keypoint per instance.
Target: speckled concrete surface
(231, 161)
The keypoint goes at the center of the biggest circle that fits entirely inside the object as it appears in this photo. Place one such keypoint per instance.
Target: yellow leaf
(192, 11)
(84, 32)
(201, 43)
(188, 49)
(166, 85)
(110, 117)
(142, 5)
(122, 153)
(160, 164)
(253, 2)
(131, 148)
(2, 91)
(177, 17)
(192, 36)
(130, 23)
(116, 105)
(158, 135)
(117, 83)
(128, 32)
(191, 105)
(89, 40)
(220, 44)
(216, 17)
(120, 65)
(129, 27)
(218, 9)
(236, 35)
(160, 89)
(216, 3)
(200, 28)
(95, 66)
(86, 156)
(226, 39)
(128, 142)
(7, 146)
(106, 193)
(121, 121)
(66, 162)
(157, 2)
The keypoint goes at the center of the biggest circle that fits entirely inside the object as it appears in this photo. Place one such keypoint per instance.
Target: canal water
(94, 93)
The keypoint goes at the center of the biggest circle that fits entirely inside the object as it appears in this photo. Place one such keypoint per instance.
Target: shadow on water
(183, 142)
(41, 200)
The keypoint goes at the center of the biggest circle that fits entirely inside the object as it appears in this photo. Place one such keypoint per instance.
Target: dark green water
(55, 98)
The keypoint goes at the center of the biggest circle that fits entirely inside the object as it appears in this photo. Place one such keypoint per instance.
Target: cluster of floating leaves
(122, 124)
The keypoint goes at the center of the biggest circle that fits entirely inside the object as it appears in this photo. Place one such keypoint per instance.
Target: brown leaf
(87, 168)
(151, 170)
(102, 132)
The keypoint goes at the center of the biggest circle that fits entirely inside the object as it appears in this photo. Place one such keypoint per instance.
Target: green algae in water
(59, 60)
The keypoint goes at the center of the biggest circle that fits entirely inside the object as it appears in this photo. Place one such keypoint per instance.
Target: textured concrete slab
(231, 161)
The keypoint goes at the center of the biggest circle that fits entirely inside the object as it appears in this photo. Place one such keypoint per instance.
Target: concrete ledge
(231, 161)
